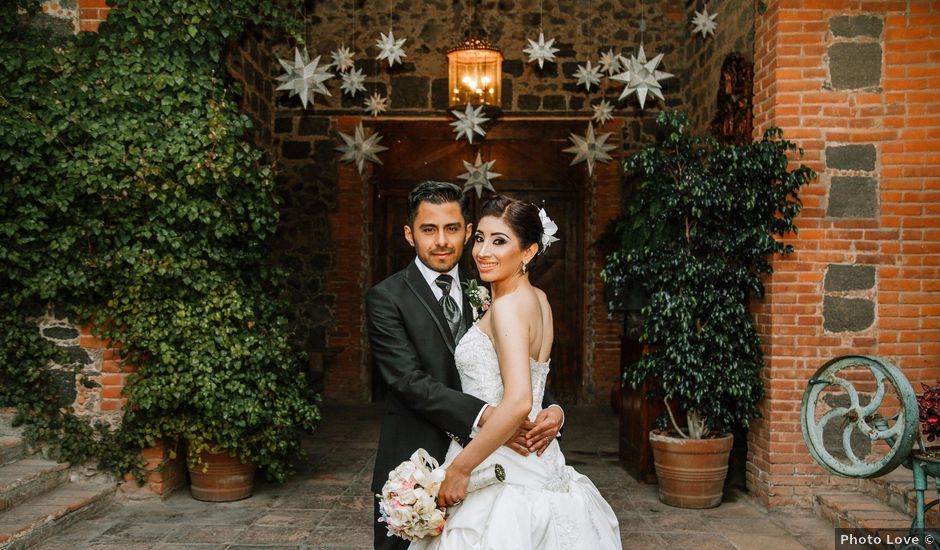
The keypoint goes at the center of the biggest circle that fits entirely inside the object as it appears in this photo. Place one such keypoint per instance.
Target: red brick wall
(91, 13)
(347, 373)
(901, 118)
(601, 372)
(114, 373)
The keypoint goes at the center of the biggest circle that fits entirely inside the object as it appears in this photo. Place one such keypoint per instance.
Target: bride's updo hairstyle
(521, 216)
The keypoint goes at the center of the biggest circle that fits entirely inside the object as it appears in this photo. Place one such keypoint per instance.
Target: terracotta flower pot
(221, 478)
(691, 472)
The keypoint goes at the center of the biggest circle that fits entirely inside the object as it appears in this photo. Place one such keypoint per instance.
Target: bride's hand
(454, 488)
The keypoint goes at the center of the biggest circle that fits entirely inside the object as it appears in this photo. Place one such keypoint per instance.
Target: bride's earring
(525, 267)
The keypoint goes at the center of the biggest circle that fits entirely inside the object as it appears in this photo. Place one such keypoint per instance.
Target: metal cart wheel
(898, 431)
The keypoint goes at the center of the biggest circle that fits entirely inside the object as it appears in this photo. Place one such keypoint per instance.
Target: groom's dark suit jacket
(414, 351)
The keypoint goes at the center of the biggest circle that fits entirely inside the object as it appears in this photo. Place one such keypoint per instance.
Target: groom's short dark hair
(436, 192)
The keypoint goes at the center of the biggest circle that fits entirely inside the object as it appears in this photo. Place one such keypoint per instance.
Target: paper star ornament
(342, 59)
(361, 148)
(590, 148)
(609, 62)
(541, 51)
(704, 23)
(353, 82)
(479, 175)
(469, 122)
(390, 49)
(603, 112)
(588, 76)
(642, 77)
(304, 78)
(376, 104)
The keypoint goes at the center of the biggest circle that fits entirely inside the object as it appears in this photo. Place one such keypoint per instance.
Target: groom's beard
(441, 260)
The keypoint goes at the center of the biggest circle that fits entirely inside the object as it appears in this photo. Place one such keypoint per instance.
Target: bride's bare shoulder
(543, 301)
(540, 294)
(516, 305)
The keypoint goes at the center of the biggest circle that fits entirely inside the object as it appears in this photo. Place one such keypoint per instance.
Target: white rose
(407, 495)
(401, 516)
(389, 489)
(424, 505)
(435, 521)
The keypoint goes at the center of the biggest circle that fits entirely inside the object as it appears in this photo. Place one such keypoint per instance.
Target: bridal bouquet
(408, 503)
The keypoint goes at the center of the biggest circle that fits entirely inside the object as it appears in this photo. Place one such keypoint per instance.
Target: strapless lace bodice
(478, 366)
(543, 503)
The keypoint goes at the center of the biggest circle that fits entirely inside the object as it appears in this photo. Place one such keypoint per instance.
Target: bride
(504, 360)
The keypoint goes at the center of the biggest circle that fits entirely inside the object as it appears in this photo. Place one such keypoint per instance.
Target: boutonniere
(478, 296)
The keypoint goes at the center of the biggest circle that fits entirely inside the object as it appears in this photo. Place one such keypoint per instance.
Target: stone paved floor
(328, 503)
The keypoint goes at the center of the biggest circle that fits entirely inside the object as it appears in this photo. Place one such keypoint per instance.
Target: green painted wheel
(859, 416)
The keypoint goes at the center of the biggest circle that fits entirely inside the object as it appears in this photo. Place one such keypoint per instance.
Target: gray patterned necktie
(449, 306)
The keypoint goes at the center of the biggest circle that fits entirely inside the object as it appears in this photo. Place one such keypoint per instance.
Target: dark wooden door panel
(533, 168)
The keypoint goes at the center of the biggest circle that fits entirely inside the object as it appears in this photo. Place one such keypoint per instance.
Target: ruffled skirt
(542, 505)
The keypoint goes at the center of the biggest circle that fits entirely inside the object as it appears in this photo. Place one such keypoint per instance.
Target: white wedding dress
(543, 504)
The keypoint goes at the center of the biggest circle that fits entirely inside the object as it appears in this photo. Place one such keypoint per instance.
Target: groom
(415, 317)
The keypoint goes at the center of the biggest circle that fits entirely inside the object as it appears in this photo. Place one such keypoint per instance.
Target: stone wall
(855, 84)
(92, 378)
(61, 16)
(704, 56)
(302, 244)
(419, 85)
(249, 62)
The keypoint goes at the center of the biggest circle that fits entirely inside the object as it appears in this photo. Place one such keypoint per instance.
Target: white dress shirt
(455, 289)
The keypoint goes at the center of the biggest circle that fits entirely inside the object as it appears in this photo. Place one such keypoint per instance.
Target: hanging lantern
(475, 73)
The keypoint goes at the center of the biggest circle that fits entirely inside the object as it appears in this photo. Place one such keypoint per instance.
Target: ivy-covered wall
(134, 205)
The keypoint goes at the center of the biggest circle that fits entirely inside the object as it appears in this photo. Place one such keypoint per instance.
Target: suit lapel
(422, 291)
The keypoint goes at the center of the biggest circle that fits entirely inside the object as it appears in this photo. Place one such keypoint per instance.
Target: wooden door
(533, 167)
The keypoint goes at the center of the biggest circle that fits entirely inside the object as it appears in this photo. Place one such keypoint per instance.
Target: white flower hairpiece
(549, 228)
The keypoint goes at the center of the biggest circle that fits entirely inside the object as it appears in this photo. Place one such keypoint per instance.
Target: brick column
(347, 375)
(601, 335)
(108, 399)
(855, 84)
(164, 469)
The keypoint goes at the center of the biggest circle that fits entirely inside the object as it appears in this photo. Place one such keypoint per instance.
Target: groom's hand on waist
(517, 441)
(544, 430)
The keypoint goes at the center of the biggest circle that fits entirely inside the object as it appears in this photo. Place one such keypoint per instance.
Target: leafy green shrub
(709, 216)
(132, 196)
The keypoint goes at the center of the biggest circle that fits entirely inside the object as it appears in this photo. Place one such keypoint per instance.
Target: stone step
(12, 448)
(12, 445)
(855, 510)
(897, 490)
(42, 516)
(28, 477)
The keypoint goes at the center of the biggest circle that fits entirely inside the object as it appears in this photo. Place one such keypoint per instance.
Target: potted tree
(226, 386)
(717, 212)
